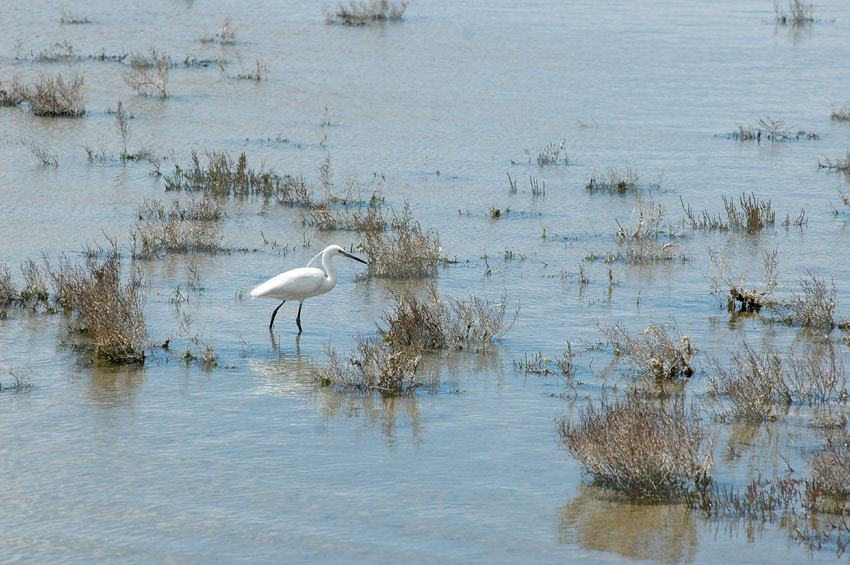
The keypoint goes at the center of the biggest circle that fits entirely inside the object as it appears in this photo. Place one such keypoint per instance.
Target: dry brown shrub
(659, 354)
(815, 307)
(191, 227)
(148, 74)
(735, 289)
(405, 252)
(106, 310)
(645, 449)
(830, 468)
(53, 97)
(760, 385)
(390, 362)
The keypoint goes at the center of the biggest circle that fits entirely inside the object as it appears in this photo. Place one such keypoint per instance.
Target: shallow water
(251, 461)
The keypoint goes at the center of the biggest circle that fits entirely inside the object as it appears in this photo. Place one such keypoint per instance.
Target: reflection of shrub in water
(665, 533)
(647, 450)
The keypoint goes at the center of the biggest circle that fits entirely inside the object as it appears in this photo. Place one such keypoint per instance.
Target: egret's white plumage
(303, 283)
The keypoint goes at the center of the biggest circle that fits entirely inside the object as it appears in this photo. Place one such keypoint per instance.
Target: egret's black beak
(350, 256)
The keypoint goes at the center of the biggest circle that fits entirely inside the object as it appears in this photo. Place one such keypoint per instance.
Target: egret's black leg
(298, 317)
(275, 314)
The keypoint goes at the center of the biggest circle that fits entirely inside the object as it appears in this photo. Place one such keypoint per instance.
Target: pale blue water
(253, 462)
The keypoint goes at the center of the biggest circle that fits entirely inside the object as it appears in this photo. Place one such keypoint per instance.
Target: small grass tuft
(551, 154)
(362, 13)
(614, 181)
(771, 130)
(842, 114)
(798, 13)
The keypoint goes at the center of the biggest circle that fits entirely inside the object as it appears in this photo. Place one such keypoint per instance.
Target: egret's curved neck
(327, 263)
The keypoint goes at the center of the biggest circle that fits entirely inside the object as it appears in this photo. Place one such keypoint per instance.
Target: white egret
(301, 284)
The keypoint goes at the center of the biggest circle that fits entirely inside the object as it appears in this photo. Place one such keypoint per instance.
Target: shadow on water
(664, 533)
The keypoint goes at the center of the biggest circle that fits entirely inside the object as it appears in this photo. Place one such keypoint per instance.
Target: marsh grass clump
(659, 354)
(842, 114)
(405, 252)
(433, 323)
(13, 95)
(750, 214)
(191, 227)
(148, 73)
(839, 164)
(535, 364)
(58, 52)
(771, 130)
(375, 366)
(8, 292)
(226, 36)
(614, 181)
(36, 284)
(551, 154)
(754, 385)
(647, 241)
(223, 176)
(105, 310)
(53, 97)
(798, 13)
(648, 450)
(390, 361)
(69, 18)
(361, 13)
(736, 291)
